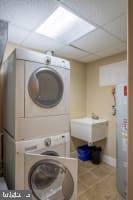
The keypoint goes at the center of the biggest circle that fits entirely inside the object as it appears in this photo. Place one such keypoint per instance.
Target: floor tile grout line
(110, 172)
(84, 190)
(98, 176)
(90, 170)
(99, 181)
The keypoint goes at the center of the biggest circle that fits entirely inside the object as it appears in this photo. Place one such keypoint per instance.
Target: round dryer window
(45, 87)
(49, 179)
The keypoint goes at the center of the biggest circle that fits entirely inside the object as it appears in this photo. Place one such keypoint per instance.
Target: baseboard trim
(109, 160)
(106, 159)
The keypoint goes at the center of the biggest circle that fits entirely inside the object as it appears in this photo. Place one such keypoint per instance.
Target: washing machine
(36, 94)
(41, 165)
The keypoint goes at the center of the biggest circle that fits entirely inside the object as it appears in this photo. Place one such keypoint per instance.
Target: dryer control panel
(57, 62)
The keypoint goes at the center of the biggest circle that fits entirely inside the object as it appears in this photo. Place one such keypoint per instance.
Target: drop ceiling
(109, 17)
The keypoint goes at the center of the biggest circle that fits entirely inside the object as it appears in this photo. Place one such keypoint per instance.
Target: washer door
(45, 87)
(49, 179)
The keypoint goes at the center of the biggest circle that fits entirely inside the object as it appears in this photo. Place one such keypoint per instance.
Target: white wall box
(113, 74)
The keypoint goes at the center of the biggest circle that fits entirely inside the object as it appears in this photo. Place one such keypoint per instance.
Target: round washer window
(45, 87)
(49, 179)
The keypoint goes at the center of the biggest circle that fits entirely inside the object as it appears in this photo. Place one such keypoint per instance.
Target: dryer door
(46, 90)
(45, 87)
(51, 177)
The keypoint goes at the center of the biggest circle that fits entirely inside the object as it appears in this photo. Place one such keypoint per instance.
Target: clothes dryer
(36, 95)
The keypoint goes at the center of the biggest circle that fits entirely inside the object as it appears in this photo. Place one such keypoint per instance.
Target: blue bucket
(84, 153)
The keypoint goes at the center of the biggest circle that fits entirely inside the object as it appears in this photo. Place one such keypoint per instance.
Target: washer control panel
(56, 140)
(41, 143)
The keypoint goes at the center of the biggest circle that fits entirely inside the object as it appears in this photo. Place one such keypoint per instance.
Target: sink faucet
(93, 116)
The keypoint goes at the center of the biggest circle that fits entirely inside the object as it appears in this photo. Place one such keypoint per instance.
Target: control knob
(48, 60)
(47, 142)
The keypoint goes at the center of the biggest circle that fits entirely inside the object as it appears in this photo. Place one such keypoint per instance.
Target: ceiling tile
(112, 50)
(16, 35)
(96, 41)
(89, 58)
(39, 42)
(70, 52)
(118, 27)
(26, 13)
(98, 11)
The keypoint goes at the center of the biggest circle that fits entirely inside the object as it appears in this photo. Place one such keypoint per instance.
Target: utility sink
(88, 129)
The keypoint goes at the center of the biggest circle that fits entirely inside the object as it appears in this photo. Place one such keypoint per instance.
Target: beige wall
(99, 100)
(77, 90)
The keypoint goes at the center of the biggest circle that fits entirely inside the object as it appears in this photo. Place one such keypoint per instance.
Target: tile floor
(97, 182)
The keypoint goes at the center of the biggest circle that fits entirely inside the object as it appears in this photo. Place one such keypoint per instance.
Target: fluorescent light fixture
(64, 26)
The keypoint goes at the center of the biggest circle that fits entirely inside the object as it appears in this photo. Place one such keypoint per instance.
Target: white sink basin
(88, 129)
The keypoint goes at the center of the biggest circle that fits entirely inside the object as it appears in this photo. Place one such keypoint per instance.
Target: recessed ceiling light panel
(64, 26)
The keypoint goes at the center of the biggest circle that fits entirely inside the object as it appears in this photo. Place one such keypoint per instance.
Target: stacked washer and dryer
(36, 126)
